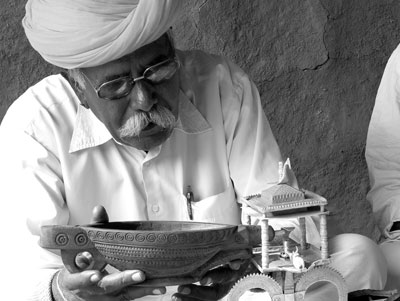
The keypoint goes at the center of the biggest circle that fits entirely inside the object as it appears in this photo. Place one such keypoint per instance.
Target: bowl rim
(123, 226)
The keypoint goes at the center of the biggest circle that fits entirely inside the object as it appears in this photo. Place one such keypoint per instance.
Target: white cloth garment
(383, 159)
(97, 31)
(64, 161)
(58, 161)
(383, 149)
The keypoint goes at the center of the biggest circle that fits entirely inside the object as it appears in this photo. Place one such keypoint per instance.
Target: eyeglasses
(122, 86)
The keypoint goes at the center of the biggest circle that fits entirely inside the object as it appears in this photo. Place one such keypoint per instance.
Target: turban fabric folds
(86, 33)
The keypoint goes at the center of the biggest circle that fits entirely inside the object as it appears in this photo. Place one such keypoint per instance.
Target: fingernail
(185, 291)
(157, 291)
(137, 276)
(206, 281)
(94, 278)
(235, 266)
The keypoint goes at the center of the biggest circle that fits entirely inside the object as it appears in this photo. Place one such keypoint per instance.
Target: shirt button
(155, 208)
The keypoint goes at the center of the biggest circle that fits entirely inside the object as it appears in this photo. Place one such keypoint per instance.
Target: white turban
(85, 33)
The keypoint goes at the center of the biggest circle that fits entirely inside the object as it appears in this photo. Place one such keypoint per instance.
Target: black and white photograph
(200, 150)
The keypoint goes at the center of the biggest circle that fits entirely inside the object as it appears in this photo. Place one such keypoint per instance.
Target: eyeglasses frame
(133, 80)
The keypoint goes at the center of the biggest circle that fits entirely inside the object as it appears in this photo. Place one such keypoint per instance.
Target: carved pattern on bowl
(214, 236)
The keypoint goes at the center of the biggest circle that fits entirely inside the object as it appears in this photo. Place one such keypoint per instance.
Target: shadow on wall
(317, 65)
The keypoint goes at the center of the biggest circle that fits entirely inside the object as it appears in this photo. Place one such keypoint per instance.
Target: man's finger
(236, 264)
(117, 281)
(134, 292)
(83, 260)
(99, 215)
(194, 292)
(79, 280)
(221, 275)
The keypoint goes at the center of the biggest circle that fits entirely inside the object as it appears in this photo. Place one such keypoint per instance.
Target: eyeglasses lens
(160, 73)
(116, 88)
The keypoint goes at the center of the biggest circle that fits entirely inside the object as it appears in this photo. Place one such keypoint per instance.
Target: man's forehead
(139, 59)
(107, 71)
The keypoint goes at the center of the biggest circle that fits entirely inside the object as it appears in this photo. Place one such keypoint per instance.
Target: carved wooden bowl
(168, 252)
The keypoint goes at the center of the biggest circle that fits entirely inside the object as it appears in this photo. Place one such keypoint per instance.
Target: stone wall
(317, 64)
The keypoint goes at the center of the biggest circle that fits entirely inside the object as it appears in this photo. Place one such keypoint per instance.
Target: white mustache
(158, 115)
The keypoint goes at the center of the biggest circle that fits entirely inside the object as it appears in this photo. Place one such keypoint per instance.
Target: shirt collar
(90, 131)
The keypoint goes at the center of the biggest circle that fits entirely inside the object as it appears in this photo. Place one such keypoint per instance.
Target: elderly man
(130, 125)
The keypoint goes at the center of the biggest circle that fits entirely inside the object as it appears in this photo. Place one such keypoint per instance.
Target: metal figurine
(286, 268)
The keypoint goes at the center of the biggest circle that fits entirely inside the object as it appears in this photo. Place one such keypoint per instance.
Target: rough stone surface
(317, 64)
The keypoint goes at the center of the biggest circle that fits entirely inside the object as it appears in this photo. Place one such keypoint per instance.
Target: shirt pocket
(219, 208)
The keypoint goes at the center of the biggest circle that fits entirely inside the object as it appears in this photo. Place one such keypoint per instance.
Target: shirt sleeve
(253, 152)
(383, 149)
(31, 185)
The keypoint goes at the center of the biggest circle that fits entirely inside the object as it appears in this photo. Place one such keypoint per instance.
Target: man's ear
(77, 89)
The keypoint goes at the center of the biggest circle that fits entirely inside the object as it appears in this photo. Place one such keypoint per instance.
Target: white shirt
(60, 161)
(383, 149)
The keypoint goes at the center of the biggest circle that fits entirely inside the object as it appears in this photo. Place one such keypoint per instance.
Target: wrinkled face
(136, 97)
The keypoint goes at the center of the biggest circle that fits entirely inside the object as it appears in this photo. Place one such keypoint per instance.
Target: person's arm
(253, 152)
(32, 194)
(383, 149)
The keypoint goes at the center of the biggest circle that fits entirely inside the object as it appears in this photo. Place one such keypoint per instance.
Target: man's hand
(97, 286)
(214, 285)
(100, 286)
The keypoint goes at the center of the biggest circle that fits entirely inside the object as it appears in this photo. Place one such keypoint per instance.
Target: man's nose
(142, 97)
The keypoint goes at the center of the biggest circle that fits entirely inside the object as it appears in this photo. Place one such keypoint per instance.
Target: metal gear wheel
(323, 274)
(254, 281)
